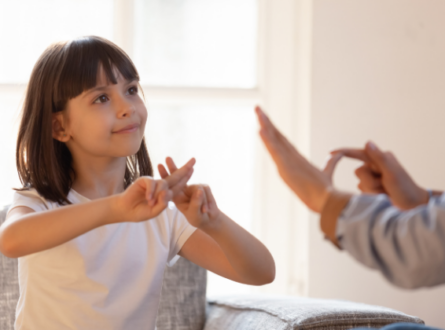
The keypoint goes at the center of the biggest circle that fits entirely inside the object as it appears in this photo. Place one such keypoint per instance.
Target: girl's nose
(126, 109)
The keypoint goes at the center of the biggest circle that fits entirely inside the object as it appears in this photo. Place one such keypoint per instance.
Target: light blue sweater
(407, 247)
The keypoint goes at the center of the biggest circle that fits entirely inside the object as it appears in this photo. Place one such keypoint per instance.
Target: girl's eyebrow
(95, 89)
(105, 87)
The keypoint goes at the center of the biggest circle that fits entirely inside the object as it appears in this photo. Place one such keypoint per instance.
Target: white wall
(378, 72)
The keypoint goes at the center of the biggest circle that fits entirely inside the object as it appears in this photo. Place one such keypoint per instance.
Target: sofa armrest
(257, 312)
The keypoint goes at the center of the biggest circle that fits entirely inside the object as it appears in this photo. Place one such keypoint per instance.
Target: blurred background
(330, 74)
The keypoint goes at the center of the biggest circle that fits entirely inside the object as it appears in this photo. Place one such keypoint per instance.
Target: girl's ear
(59, 132)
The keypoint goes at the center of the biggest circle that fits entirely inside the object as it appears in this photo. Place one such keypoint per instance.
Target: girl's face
(105, 121)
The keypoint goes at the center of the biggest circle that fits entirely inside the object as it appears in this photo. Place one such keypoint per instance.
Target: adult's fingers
(331, 164)
(262, 118)
(268, 130)
(271, 130)
(369, 181)
(359, 154)
(270, 144)
(283, 153)
(280, 149)
(377, 156)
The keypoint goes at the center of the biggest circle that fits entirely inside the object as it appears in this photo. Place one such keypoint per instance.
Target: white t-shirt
(108, 278)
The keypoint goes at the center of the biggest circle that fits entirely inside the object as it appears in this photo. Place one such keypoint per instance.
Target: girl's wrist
(214, 225)
(115, 210)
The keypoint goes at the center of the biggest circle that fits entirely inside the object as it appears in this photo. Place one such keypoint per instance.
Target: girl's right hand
(146, 197)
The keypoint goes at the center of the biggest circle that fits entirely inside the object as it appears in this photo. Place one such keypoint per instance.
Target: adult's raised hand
(309, 183)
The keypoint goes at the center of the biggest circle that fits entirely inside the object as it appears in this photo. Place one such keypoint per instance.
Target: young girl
(90, 226)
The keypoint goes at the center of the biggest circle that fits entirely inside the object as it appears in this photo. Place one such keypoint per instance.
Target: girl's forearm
(247, 255)
(40, 231)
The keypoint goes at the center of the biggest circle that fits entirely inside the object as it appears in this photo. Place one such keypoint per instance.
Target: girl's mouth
(128, 129)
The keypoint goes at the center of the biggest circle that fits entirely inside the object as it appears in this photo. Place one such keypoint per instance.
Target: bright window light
(27, 27)
(205, 43)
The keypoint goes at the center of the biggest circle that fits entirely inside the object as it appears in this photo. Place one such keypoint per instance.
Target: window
(204, 64)
(196, 42)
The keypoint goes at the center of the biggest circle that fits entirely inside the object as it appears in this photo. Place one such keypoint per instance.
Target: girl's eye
(101, 99)
(133, 90)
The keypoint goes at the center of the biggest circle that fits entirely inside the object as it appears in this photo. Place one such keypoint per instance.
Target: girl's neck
(99, 177)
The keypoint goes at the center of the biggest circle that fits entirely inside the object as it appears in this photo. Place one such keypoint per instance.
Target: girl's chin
(128, 152)
(128, 149)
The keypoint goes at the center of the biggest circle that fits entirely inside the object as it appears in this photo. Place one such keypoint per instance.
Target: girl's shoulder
(32, 199)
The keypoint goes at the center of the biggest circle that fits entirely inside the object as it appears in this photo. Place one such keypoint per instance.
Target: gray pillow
(183, 297)
(258, 312)
(9, 285)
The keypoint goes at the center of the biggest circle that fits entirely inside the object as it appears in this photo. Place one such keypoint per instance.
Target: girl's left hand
(196, 202)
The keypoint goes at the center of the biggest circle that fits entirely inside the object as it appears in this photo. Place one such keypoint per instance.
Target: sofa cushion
(9, 286)
(183, 297)
(257, 312)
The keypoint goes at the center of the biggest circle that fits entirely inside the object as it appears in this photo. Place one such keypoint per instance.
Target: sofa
(184, 305)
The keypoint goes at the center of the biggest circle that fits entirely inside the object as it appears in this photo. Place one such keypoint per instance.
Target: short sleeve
(29, 198)
(181, 231)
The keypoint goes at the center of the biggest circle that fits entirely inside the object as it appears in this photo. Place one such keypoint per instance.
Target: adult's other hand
(383, 173)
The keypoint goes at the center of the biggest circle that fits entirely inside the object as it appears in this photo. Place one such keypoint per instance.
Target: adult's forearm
(247, 255)
(406, 247)
(38, 231)
(334, 206)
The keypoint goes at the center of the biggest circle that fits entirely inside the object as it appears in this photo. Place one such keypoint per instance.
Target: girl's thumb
(197, 199)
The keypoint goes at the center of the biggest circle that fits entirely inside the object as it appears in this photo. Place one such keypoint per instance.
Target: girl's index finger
(179, 186)
(162, 171)
(178, 174)
(171, 164)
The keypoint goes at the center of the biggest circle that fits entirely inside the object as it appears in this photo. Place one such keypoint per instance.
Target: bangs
(82, 61)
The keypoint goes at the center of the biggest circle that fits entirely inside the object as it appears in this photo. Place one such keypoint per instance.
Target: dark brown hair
(62, 72)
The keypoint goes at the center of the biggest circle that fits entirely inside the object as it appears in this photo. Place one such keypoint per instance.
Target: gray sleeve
(408, 247)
